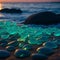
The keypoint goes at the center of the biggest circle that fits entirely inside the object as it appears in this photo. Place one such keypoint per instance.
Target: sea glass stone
(27, 47)
(34, 41)
(21, 45)
(50, 44)
(4, 35)
(57, 33)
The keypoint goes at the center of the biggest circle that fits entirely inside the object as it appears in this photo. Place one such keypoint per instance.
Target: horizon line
(29, 2)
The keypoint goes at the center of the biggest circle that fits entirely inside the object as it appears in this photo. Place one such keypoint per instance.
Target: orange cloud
(29, 0)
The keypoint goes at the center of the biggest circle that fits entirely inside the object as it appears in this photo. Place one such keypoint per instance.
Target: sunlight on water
(1, 6)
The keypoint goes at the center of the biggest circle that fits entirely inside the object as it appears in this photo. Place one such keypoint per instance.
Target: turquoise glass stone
(4, 35)
(57, 33)
(33, 40)
(27, 47)
(21, 45)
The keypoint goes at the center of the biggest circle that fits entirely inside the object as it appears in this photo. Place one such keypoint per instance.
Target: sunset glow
(0, 6)
(29, 0)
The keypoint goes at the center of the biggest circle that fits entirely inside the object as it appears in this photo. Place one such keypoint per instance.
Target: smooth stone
(34, 41)
(22, 53)
(50, 44)
(4, 35)
(13, 43)
(11, 11)
(27, 47)
(21, 45)
(10, 48)
(58, 42)
(14, 37)
(4, 54)
(3, 43)
(39, 57)
(44, 18)
(45, 50)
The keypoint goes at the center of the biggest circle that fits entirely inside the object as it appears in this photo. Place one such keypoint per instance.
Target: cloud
(29, 0)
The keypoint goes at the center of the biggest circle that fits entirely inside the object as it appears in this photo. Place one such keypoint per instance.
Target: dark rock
(12, 10)
(39, 57)
(10, 48)
(45, 50)
(22, 53)
(4, 54)
(44, 18)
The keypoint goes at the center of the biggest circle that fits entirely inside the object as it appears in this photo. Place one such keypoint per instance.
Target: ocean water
(28, 9)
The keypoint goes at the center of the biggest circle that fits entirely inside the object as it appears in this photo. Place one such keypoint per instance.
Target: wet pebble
(3, 43)
(45, 50)
(22, 53)
(50, 44)
(21, 45)
(13, 43)
(39, 57)
(27, 47)
(4, 54)
(10, 48)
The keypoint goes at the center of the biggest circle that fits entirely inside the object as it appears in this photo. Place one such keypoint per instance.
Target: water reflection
(1, 6)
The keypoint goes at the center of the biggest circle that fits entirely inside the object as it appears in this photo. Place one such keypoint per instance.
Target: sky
(29, 0)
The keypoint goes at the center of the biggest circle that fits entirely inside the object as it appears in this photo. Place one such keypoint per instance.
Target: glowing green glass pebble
(27, 47)
(12, 30)
(44, 37)
(57, 33)
(4, 35)
(2, 23)
(21, 45)
(8, 23)
(33, 40)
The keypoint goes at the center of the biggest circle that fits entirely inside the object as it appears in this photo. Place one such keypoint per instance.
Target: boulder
(12, 10)
(43, 18)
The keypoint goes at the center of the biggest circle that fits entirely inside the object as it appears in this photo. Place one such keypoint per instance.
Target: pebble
(50, 44)
(45, 50)
(27, 47)
(4, 54)
(39, 57)
(13, 43)
(22, 53)
(10, 48)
